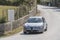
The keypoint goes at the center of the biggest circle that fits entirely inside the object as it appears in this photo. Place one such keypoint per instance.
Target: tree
(38, 1)
(17, 2)
(2, 2)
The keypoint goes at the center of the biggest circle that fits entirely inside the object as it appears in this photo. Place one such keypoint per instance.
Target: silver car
(35, 24)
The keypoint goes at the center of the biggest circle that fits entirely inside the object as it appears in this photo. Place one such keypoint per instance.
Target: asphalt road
(52, 16)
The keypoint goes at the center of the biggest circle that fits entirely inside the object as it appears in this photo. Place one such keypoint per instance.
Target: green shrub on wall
(3, 20)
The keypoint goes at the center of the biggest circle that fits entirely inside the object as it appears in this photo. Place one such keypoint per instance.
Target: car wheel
(25, 33)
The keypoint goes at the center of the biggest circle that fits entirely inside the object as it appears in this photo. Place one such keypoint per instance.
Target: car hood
(34, 24)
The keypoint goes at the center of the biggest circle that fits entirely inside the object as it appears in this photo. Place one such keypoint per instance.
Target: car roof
(36, 17)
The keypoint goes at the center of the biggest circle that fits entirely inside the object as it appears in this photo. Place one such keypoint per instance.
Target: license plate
(35, 28)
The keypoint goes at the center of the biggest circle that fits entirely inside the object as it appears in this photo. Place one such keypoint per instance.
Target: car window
(34, 20)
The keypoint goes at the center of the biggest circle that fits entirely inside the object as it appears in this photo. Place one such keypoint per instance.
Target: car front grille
(31, 28)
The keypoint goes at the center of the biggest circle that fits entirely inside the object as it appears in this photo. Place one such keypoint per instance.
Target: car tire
(25, 33)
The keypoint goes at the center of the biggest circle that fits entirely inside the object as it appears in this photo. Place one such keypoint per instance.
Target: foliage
(38, 1)
(2, 2)
(14, 3)
(8, 3)
(2, 20)
(58, 0)
(17, 2)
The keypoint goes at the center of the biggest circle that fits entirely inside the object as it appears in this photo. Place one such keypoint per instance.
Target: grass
(12, 32)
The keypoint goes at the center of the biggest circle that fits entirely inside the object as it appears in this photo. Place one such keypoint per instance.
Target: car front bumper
(33, 31)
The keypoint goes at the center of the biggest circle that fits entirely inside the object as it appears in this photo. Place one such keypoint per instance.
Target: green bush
(8, 3)
(38, 1)
(14, 3)
(3, 20)
(2, 2)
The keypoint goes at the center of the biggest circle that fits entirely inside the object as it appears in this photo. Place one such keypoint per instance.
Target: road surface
(52, 16)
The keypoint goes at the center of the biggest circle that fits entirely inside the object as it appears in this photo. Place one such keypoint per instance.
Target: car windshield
(34, 20)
